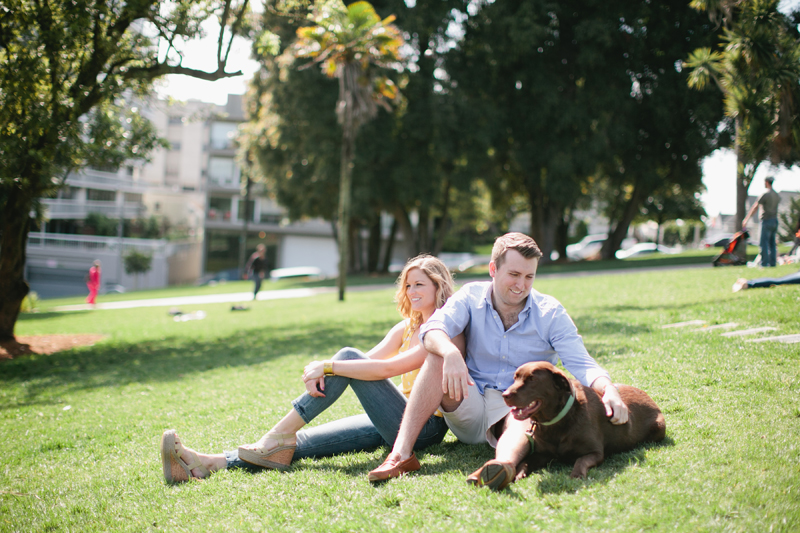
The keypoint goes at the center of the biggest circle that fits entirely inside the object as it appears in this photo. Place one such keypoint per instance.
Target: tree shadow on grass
(611, 327)
(652, 306)
(31, 317)
(110, 364)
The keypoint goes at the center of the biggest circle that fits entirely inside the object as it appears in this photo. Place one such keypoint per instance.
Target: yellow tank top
(407, 379)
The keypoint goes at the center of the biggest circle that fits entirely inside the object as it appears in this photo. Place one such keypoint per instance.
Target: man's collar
(487, 298)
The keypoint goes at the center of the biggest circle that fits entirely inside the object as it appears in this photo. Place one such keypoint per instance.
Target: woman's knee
(348, 354)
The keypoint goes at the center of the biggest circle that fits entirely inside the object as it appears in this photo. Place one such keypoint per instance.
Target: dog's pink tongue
(517, 413)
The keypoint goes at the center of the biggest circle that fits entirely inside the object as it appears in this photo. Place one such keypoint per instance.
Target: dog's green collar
(563, 412)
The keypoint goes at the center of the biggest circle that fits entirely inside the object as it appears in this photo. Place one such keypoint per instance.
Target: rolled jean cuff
(232, 461)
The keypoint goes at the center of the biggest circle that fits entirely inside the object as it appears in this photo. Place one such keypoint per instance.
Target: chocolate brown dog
(570, 423)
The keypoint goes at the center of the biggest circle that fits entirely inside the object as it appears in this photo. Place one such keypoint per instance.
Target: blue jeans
(789, 279)
(769, 251)
(384, 405)
(257, 283)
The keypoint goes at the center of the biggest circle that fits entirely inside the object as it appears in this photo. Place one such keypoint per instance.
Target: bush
(137, 262)
(29, 303)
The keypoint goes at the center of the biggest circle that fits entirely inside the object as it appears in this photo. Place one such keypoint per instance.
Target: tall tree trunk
(345, 189)
(387, 254)
(374, 244)
(13, 287)
(544, 219)
(620, 231)
(409, 236)
(741, 187)
(743, 180)
(441, 230)
(356, 248)
(562, 233)
(423, 230)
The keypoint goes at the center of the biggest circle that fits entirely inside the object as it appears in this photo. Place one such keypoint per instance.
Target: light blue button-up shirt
(543, 332)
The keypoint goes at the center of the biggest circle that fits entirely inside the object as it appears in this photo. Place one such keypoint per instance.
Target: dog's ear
(561, 380)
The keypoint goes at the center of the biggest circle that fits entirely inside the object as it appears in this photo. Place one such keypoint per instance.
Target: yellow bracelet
(327, 368)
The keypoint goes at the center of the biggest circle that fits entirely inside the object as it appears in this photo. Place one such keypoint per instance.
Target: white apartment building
(194, 190)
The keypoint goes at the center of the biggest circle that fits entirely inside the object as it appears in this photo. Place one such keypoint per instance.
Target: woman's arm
(376, 369)
(389, 346)
(370, 369)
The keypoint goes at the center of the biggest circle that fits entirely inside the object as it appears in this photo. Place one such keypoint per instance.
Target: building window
(219, 209)
(223, 135)
(271, 218)
(223, 171)
(96, 195)
(250, 209)
(68, 193)
(174, 145)
(176, 120)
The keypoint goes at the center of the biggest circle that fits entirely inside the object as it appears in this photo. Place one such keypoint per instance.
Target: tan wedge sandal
(178, 465)
(278, 458)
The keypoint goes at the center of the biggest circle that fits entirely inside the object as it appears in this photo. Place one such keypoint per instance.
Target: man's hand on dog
(616, 409)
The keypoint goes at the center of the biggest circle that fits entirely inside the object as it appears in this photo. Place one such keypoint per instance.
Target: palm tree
(757, 72)
(351, 43)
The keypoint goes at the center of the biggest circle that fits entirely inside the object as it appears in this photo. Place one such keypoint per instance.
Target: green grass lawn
(80, 430)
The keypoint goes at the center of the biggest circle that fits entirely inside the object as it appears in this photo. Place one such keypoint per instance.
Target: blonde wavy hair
(438, 273)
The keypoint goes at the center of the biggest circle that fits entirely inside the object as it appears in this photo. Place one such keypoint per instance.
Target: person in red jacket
(93, 282)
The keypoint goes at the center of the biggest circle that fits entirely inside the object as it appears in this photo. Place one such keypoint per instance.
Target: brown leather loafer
(394, 467)
(494, 474)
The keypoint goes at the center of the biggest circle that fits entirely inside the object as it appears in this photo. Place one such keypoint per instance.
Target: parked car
(644, 248)
(587, 247)
(590, 246)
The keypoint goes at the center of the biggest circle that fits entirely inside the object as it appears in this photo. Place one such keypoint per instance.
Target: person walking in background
(257, 266)
(93, 282)
(769, 222)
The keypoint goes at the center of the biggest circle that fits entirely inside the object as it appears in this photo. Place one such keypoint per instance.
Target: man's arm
(455, 376)
(750, 213)
(616, 409)
(569, 345)
(247, 267)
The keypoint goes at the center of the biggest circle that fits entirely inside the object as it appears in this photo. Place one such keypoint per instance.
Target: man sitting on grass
(507, 324)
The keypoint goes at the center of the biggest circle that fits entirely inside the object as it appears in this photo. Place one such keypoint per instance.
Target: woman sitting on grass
(424, 285)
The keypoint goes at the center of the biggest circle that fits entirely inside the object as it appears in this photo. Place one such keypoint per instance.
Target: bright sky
(719, 177)
(719, 169)
(202, 54)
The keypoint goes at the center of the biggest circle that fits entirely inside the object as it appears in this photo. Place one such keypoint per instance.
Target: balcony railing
(225, 182)
(94, 243)
(90, 178)
(61, 209)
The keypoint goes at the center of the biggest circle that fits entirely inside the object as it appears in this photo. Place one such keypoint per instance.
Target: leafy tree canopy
(66, 69)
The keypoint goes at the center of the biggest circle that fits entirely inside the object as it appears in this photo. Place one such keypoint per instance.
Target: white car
(644, 248)
(591, 245)
(587, 247)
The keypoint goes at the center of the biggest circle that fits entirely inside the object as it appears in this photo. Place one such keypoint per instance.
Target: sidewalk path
(242, 297)
(234, 297)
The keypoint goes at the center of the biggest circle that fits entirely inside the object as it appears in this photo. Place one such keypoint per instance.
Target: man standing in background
(769, 222)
